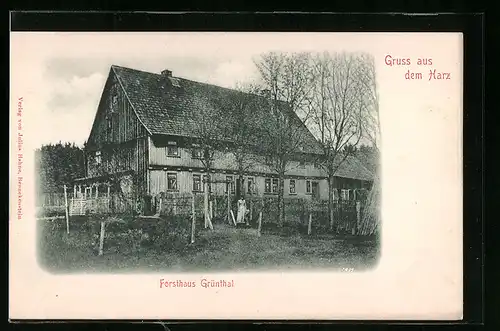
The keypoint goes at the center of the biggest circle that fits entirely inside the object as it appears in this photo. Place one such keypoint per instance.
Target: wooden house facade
(141, 137)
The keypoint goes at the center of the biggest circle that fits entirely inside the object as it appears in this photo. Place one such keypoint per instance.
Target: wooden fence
(301, 212)
(298, 211)
(55, 203)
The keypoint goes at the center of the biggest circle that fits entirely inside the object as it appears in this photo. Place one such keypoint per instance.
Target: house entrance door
(315, 190)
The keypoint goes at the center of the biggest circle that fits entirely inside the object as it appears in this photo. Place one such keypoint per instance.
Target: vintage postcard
(236, 176)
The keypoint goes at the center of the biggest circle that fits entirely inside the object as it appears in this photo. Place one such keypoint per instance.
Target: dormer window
(175, 81)
(172, 149)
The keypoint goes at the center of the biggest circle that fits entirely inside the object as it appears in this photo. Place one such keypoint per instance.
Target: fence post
(331, 215)
(215, 206)
(358, 215)
(209, 221)
(159, 205)
(309, 225)
(101, 239)
(66, 208)
(193, 219)
(205, 203)
(228, 205)
(211, 209)
(232, 217)
(251, 210)
(259, 227)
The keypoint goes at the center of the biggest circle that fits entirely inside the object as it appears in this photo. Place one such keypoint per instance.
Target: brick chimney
(166, 73)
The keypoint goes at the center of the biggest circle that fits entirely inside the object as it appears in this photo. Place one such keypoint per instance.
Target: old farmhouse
(142, 134)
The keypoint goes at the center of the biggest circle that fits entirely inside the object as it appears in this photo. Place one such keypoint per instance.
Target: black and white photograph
(278, 171)
(219, 162)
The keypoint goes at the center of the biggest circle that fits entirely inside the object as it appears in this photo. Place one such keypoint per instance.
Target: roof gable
(112, 87)
(100, 106)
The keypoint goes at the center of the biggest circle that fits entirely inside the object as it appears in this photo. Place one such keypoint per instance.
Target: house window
(308, 187)
(302, 164)
(172, 181)
(292, 186)
(172, 149)
(230, 184)
(98, 158)
(114, 103)
(267, 185)
(197, 184)
(197, 153)
(271, 185)
(109, 127)
(205, 180)
(275, 185)
(250, 184)
(344, 194)
(109, 122)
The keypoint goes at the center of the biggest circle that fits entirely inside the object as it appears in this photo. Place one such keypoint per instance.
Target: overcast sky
(63, 73)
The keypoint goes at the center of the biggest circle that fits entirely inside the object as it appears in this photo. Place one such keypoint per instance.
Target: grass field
(224, 248)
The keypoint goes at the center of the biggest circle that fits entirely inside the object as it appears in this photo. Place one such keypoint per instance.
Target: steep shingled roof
(370, 161)
(352, 167)
(166, 109)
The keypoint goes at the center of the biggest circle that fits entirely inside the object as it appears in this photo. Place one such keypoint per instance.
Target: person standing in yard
(242, 209)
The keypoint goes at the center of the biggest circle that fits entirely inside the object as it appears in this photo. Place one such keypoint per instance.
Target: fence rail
(346, 214)
(82, 205)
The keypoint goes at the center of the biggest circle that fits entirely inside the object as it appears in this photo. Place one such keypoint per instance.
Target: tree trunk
(205, 204)
(281, 201)
(209, 182)
(241, 187)
(330, 200)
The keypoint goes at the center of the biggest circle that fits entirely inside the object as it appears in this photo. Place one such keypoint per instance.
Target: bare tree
(372, 132)
(286, 84)
(208, 133)
(238, 108)
(371, 123)
(339, 104)
(113, 165)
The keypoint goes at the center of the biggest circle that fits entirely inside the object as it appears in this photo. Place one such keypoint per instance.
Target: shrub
(170, 234)
(135, 234)
(50, 211)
